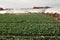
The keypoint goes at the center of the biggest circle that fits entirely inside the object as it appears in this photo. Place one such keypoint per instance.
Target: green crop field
(29, 24)
(30, 38)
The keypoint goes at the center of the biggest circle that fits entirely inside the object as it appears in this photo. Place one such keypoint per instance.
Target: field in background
(29, 25)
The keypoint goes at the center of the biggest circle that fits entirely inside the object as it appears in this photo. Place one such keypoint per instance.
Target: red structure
(40, 7)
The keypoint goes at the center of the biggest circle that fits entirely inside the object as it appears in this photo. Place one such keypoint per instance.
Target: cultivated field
(28, 25)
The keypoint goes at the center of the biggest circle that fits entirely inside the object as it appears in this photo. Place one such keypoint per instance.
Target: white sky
(28, 3)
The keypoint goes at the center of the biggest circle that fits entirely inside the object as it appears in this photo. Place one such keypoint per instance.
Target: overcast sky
(28, 3)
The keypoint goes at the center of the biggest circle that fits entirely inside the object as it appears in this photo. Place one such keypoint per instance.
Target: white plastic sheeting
(26, 11)
(22, 11)
(3, 12)
(19, 11)
(36, 10)
(53, 10)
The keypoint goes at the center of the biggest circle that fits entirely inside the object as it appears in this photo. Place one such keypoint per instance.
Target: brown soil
(56, 16)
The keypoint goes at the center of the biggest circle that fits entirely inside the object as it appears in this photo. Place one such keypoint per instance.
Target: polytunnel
(53, 10)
